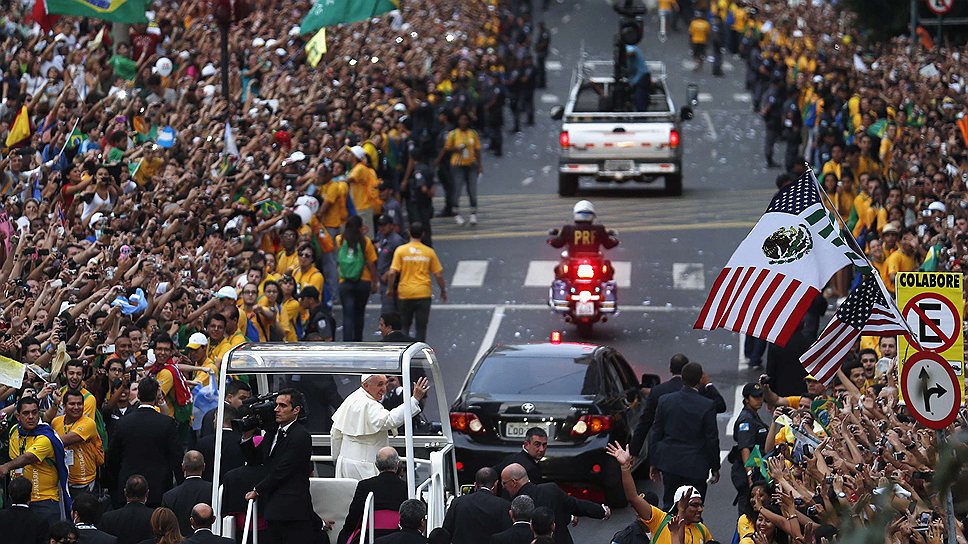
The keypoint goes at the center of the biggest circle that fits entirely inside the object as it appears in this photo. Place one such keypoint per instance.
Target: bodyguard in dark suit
(231, 450)
(532, 451)
(413, 523)
(284, 498)
(146, 443)
(520, 531)
(18, 522)
(202, 518)
(132, 523)
(684, 443)
(473, 518)
(389, 492)
(674, 384)
(85, 510)
(194, 490)
(515, 480)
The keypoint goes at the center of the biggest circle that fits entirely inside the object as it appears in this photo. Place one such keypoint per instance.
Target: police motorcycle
(584, 290)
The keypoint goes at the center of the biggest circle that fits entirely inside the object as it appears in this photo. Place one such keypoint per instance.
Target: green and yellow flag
(119, 11)
(334, 12)
(755, 460)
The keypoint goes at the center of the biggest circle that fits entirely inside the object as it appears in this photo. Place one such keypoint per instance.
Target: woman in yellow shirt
(291, 307)
(356, 261)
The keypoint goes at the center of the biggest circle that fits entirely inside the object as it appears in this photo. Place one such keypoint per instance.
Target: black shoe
(445, 213)
(498, 154)
(771, 164)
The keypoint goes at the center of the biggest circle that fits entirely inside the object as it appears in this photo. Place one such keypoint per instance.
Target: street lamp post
(227, 12)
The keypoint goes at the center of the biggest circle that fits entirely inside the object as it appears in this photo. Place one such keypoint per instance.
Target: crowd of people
(149, 224)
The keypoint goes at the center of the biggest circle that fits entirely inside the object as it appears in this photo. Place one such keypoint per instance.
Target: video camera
(630, 31)
(256, 413)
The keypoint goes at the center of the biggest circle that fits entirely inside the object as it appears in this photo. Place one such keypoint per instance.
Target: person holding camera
(749, 431)
(285, 502)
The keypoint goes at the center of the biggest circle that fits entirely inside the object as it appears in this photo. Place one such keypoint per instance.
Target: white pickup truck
(619, 146)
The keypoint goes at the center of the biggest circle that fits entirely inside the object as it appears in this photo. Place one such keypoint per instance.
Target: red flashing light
(555, 337)
(673, 139)
(460, 466)
(564, 140)
(596, 468)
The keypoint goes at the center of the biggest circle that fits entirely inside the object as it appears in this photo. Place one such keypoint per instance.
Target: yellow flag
(316, 48)
(20, 130)
(11, 372)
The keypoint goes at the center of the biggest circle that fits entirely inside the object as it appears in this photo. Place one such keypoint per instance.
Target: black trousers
(671, 482)
(289, 532)
(415, 309)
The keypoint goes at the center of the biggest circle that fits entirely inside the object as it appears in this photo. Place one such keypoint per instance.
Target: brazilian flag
(755, 460)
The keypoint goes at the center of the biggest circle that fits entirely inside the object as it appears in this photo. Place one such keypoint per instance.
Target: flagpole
(856, 247)
(68, 139)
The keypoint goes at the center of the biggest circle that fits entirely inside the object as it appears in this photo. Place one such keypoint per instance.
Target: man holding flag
(36, 453)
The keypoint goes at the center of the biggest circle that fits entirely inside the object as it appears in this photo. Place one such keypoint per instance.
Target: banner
(931, 304)
(11, 372)
(316, 48)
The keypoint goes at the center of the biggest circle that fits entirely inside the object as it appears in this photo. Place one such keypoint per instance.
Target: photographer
(285, 502)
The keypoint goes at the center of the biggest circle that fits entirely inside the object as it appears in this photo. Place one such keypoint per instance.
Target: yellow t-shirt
(363, 188)
(831, 166)
(203, 377)
(292, 312)
(369, 256)
(695, 533)
(311, 277)
(465, 146)
(898, 262)
(84, 457)
(335, 192)
(285, 263)
(667, 5)
(699, 31)
(43, 474)
(225, 345)
(166, 382)
(415, 262)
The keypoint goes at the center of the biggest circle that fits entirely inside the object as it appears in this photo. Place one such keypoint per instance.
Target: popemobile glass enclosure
(327, 372)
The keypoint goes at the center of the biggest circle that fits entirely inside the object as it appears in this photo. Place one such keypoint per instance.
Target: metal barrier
(367, 526)
(251, 521)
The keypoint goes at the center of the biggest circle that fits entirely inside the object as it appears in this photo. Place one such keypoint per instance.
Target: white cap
(197, 340)
(294, 31)
(209, 90)
(95, 218)
(364, 377)
(400, 107)
(682, 491)
(227, 292)
(936, 206)
(358, 152)
(258, 42)
(184, 55)
(297, 156)
(271, 42)
(209, 70)
(281, 52)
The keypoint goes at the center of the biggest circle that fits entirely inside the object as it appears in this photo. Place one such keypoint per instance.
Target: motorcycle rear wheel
(584, 330)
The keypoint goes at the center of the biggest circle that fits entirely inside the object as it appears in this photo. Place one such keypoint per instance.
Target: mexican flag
(120, 11)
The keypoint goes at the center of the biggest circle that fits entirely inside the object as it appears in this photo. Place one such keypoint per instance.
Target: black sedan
(583, 395)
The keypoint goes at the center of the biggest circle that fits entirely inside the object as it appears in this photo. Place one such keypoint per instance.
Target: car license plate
(515, 429)
(583, 309)
(620, 166)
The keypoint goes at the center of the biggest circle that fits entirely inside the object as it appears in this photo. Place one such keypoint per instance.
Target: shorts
(698, 50)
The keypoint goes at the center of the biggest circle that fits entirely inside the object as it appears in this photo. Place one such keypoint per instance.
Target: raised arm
(624, 458)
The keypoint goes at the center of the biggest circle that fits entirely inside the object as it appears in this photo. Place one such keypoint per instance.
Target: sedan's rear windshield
(552, 376)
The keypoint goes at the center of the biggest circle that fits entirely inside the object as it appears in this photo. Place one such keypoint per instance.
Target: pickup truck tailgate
(619, 140)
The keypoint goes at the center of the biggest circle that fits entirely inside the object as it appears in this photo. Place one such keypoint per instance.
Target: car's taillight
(591, 425)
(564, 140)
(555, 337)
(673, 138)
(466, 422)
(586, 271)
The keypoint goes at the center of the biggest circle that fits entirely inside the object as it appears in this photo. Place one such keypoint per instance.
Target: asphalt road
(671, 248)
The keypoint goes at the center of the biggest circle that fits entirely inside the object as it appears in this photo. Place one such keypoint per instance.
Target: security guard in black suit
(531, 453)
(749, 431)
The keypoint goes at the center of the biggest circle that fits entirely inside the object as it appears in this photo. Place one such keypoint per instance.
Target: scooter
(584, 290)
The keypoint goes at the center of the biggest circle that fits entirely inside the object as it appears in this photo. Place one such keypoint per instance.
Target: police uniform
(748, 431)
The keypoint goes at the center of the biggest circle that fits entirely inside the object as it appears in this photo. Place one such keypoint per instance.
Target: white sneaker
(459, 220)
(473, 219)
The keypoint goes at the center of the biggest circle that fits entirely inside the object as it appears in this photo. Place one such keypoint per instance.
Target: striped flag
(773, 276)
(863, 312)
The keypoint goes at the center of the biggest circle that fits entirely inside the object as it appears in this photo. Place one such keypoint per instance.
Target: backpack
(350, 261)
(633, 533)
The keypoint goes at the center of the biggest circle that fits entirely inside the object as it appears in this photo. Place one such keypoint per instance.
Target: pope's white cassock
(360, 428)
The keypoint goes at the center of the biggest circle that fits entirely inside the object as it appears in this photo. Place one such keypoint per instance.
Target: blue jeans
(353, 296)
(465, 176)
(47, 510)
(330, 272)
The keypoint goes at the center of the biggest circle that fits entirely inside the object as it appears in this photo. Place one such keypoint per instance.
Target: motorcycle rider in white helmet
(584, 236)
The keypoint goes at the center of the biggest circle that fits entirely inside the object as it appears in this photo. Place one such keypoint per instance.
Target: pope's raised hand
(420, 388)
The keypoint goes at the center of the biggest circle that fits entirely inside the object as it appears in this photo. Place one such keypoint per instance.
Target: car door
(615, 399)
(631, 391)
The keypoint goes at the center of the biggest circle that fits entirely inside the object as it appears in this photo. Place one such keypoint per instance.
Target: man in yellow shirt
(197, 349)
(307, 273)
(363, 184)
(37, 454)
(83, 449)
(414, 263)
(905, 259)
(699, 30)
(74, 371)
(464, 146)
(287, 259)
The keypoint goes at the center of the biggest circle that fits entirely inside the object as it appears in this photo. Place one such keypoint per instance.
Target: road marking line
(540, 273)
(553, 65)
(480, 235)
(467, 307)
(548, 98)
(469, 274)
(527, 181)
(689, 276)
(742, 97)
(705, 97)
(491, 333)
(566, 18)
(712, 129)
(688, 64)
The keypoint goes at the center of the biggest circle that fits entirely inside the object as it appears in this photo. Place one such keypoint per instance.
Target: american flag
(770, 281)
(863, 312)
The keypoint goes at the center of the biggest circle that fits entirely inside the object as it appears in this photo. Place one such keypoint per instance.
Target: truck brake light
(673, 138)
(564, 140)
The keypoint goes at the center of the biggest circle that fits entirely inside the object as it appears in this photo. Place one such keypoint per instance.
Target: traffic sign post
(930, 303)
(940, 7)
(931, 390)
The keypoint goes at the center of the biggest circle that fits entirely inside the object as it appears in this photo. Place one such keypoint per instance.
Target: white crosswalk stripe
(542, 273)
(469, 274)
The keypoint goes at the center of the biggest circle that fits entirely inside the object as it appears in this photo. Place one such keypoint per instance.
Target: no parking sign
(931, 303)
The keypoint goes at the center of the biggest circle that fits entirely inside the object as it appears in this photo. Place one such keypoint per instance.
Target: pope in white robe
(361, 423)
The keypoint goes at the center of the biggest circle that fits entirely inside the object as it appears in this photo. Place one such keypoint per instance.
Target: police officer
(495, 97)
(716, 40)
(418, 181)
(771, 109)
(541, 46)
(749, 431)
(792, 128)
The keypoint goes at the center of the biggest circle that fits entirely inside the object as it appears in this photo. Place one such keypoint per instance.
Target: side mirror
(557, 112)
(686, 113)
(692, 94)
(553, 232)
(650, 380)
